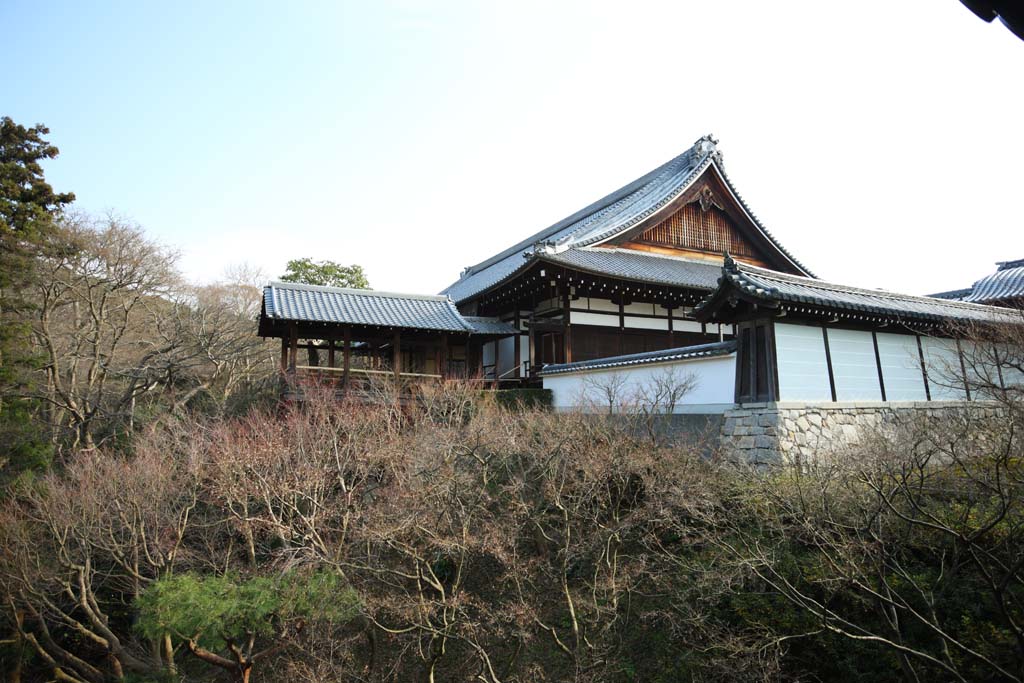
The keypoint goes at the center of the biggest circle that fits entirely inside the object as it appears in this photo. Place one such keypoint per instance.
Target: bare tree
(87, 541)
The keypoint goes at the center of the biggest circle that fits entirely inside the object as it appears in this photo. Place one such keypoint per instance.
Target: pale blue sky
(880, 141)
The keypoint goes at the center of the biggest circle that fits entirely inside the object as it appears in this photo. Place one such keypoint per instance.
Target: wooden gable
(695, 228)
(703, 223)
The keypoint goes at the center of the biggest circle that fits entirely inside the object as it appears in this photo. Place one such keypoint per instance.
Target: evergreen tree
(29, 208)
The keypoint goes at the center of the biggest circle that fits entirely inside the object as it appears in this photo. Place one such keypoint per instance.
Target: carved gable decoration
(701, 225)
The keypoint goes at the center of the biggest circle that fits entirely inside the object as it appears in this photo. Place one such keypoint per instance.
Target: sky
(880, 142)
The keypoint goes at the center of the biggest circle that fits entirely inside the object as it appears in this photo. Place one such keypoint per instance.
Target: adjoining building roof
(610, 216)
(311, 303)
(793, 292)
(667, 355)
(490, 326)
(1005, 286)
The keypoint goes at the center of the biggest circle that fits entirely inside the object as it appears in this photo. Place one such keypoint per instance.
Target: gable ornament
(707, 199)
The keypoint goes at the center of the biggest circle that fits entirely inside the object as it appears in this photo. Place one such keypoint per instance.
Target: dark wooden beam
(396, 354)
(347, 355)
(293, 347)
(518, 344)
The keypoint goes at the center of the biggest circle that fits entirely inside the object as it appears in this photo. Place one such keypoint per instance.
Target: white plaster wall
(579, 318)
(646, 323)
(901, 367)
(853, 365)
(712, 393)
(945, 375)
(803, 369)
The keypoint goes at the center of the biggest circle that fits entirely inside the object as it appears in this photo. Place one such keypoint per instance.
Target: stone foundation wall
(768, 433)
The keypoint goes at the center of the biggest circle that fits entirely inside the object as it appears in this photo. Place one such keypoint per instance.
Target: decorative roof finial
(707, 144)
(730, 263)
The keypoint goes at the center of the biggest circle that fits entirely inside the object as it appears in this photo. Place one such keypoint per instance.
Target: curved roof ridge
(277, 284)
(586, 212)
(676, 188)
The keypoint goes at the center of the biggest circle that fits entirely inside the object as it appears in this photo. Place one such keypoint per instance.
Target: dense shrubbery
(456, 540)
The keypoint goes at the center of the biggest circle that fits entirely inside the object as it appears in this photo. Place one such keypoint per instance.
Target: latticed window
(695, 228)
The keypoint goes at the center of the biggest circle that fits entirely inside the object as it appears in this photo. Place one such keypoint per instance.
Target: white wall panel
(647, 323)
(712, 392)
(639, 309)
(506, 355)
(577, 318)
(853, 365)
(603, 305)
(1012, 377)
(945, 377)
(901, 367)
(690, 326)
(803, 370)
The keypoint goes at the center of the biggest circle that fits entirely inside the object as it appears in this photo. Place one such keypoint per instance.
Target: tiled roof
(494, 326)
(638, 265)
(309, 303)
(773, 287)
(1006, 285)
(605, 218)
(683, 353)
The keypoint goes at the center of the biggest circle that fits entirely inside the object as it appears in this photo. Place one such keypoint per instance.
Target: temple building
(671, 275)
(620, 276)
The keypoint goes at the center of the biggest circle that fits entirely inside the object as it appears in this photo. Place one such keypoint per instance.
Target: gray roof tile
(666, 355)
(492, 326)
(609, 216)
(310, 303)
(1006, 285)
(772, 286)
(637, 265)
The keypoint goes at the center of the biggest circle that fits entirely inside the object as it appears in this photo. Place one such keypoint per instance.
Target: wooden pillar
(567, 333)
(479, 350)
(293, 346)
(396, 354)
(533, 348)
(442, 356)
(622, 322)
(671, 330)
(284, 354)
(518, 342)
(330, 353)
(497, 362)
(347, 355)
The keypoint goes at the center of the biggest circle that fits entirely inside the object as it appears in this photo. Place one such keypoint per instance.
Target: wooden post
(497, 363)
(442, 356)
(518, 345)
(671, 330)
(396, 354)
(347, 355)
(567, 334)
(284, 354)
(533, 348)
(479, 350)
(330, 353)
(293, 346)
